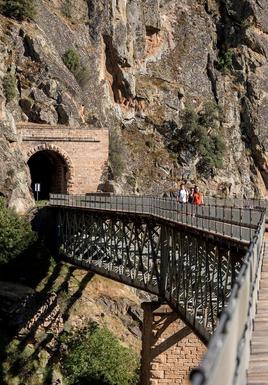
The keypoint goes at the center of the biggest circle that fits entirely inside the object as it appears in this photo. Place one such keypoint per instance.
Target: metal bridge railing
(237, 202)
(234, 222)
(228, 352)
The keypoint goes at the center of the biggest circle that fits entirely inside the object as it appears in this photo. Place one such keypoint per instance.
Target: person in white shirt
(182, 194)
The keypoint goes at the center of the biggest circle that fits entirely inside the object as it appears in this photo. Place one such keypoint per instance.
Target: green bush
(16, 234)
(72, 60)
(209, 116)
(18, 9)
(95, 356)
(116, 154)
(199, 136)
(189, 120)
(226, 61)
(211, 151)
(10, 86)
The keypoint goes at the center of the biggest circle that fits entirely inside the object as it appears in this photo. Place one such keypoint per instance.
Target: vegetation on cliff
(45, 329)
(18, 9)
(72, 60)
(116, 154)
(16, 234)
(95, 356)
(10, 86)
(200, 137)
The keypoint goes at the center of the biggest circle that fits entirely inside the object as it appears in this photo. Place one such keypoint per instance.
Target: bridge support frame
(169, 348)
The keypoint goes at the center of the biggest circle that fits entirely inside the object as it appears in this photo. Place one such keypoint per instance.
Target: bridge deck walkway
(258, 363)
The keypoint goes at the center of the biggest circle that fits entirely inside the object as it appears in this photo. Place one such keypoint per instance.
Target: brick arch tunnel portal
(48, 168)
(72, 159)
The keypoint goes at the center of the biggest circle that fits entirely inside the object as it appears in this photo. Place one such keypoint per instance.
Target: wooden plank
(258, 364)
(259, 349)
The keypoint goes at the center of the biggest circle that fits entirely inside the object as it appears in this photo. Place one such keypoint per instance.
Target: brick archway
(84, 152)
(63, 155)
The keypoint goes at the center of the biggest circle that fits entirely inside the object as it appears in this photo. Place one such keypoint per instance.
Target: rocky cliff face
(14, 176)
(142, 64)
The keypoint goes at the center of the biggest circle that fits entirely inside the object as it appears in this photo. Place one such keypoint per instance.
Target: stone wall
(84, 151)
(169, 348)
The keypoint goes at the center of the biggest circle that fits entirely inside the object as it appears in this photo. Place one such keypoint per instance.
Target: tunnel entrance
(48, 168)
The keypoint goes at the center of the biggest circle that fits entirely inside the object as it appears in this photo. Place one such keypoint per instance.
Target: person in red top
(198, 199)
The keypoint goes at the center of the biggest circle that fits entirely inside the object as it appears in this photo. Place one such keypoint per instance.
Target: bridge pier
(169, 348)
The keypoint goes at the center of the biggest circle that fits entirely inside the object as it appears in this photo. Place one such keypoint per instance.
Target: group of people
(193, 195)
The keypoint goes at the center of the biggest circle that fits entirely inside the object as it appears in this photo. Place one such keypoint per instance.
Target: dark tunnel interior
(49, 169)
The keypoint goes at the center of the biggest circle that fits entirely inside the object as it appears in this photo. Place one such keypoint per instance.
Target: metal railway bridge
(204, 261)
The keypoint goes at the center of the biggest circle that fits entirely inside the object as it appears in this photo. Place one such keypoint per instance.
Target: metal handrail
(228, 353)
(235, 223)
(237, 202)
(227, 201)
(227, 357)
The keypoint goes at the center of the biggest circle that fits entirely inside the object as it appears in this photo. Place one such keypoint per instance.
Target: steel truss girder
(192, 272)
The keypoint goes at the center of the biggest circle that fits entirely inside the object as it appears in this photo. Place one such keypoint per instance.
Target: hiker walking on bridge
(191, 195)
(182, 194)
(198, 199)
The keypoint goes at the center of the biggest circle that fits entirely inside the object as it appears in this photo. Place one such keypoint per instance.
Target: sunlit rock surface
(141, 64)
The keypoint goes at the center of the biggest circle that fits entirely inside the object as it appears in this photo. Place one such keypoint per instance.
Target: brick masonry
(169, 348)
(85, 152)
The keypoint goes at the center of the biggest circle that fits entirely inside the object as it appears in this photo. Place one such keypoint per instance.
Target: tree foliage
(116, 154)
(199, 136)
(95, 356)
(15, 233)
(18, 9)
(10, 86)
(72, 60)
(225, 61)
